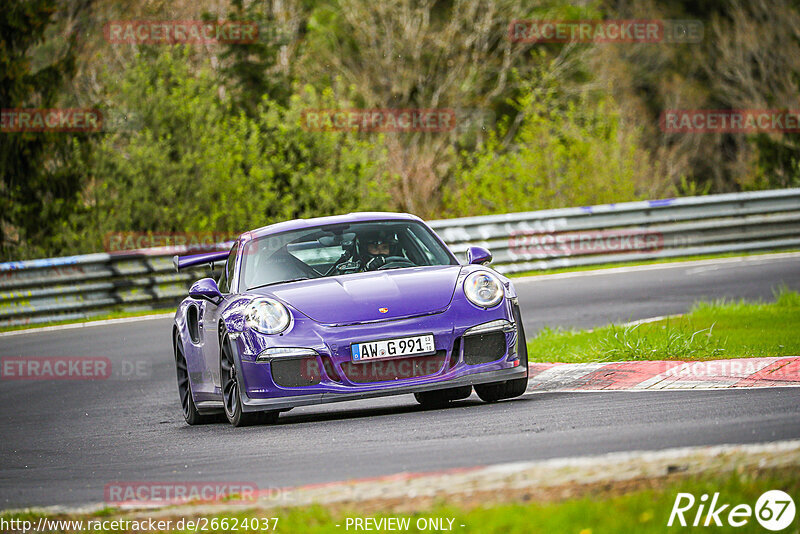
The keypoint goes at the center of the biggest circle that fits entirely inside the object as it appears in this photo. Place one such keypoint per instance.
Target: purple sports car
(341, 308)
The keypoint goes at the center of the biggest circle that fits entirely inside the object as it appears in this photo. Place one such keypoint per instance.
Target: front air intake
(295, 372)
(484, 348)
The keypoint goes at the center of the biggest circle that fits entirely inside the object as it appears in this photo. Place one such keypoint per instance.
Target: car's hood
(372, 296)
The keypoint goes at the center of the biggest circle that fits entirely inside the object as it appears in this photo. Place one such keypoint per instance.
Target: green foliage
(214, 141)
(778, 163)
(672, 342)
(39, 182)
(251, 68)
(196, 164)
(785, 298)
(564, 154)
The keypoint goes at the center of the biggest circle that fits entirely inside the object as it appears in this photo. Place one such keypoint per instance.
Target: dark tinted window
(227, 273)
(340, 250)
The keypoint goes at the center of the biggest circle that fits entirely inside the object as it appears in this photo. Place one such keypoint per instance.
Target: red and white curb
(649, 375)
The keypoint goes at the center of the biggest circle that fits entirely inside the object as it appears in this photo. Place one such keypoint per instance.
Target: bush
(189, 162)
(572, 154)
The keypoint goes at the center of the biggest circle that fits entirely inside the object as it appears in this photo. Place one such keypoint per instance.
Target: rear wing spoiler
(182, 262)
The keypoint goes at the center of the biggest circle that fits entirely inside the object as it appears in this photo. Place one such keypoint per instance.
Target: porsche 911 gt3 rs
(340, 308)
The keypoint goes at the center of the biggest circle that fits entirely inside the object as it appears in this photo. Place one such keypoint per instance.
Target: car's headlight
(483, 289)
(267, 316)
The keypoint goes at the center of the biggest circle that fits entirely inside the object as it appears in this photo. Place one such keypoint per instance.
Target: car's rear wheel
(508, 389)
(231, 398)
(190, 412)
(442, 397)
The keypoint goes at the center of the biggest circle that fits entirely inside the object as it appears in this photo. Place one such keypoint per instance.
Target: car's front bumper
(477, 377)
(260, 390)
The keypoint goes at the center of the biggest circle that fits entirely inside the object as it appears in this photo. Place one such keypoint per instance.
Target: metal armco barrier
(75, 287)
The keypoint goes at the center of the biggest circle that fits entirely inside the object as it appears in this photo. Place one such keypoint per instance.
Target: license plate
(392, 348)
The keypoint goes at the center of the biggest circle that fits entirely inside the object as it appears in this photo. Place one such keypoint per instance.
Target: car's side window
(227, 273)
(422, 247)
(222, 283)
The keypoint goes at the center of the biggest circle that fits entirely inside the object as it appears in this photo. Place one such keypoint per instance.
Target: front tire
(502, 390)
(508, 389)
(231, 399)
(440, 398)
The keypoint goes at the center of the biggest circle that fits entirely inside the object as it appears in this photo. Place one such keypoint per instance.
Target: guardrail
(76, 287)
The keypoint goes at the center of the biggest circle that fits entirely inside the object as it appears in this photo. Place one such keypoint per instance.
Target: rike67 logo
(774, 510)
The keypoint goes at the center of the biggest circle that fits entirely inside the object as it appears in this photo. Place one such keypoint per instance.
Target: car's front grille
(295, 372)
(484, 348)
(394, 369)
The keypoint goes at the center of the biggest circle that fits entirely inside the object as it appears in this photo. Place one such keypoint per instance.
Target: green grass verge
(641, 511)
(601, 267)
(632, 510)
(710, 331)
(102, 317)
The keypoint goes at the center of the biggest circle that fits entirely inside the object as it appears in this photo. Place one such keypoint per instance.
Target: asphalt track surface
(63, 441)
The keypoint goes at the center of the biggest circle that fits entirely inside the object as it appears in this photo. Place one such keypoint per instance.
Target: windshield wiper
(279, 282)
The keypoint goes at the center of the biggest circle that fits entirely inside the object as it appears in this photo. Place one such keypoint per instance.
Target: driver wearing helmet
(379, 246)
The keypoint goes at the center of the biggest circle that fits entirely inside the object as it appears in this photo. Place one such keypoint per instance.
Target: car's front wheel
(508, 389)
(502, 390)
(231, 399)
(442, 397)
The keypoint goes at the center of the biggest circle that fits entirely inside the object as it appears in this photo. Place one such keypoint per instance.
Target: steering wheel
(342, 259)
(395, 262)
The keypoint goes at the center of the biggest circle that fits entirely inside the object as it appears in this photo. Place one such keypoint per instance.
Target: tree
(566, 152)
(197, 164)
(253, 69)
(38, 184)
(754, 63)
(408, 54)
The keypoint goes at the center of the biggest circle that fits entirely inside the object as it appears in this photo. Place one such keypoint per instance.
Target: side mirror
(206, 289)
(478, 256)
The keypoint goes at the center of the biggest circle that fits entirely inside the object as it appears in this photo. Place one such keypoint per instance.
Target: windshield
(340, 250)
